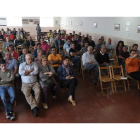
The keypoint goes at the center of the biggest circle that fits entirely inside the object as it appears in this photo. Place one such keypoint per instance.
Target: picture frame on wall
(70, 22)
(30, 20)
(117, 27)
(138, 29)
(95, 25)
(25, 21)
(36, 21)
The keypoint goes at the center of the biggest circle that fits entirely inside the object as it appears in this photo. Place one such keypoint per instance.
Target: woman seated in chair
(38, 59)
(46, 80)
(14, 54)
(67, 78)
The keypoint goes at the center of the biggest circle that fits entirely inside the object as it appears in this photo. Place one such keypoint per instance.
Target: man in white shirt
(28, 71)
(90, 63)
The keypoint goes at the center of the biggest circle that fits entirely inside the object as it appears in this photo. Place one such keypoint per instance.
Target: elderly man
(11, 63)
(7, 43)
(90, 63)
(58, 42)
(75, 56)
(110, 47)
(67, 47)
(35, 52)
(21, 59)
(28, 71)
(55, 59)
(30, 42)
(84, 49)
(7, 87)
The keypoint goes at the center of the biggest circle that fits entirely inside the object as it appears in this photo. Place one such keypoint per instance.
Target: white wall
(105, 27)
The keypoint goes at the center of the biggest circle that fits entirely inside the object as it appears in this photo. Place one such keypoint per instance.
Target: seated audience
(11, 63)
(84, 49)
(46, 80)
(102, 57)
(77, 39)
(18, 41)
(132, 65)
(55, 59)
(119, 47)
(23, 32)
(14, 32)
(110, 47)
(98, 46)
(11, 36)
(14, 54)
(135, 47)
(52, 40)
(37, 49)
(21, 59)
(7, 43)
(4, 35)
(74, 41)
(80, 46)
(75, 57)
(62, 37)
(58, 42)
(91, 42)
(90, 63)
(123, 56)
(67, 79)
(30, 42)
(19, 34)
(50, 33)
(102, 40)
(1, 36)
(7, 32)
(67, 47)
(7, 87)
(29, 71)
(44, 46)
(86, 38)
(38, 58)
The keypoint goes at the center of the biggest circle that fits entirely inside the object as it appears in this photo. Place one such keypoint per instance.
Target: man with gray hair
(28, 71)
(90, 63)
(38, 32)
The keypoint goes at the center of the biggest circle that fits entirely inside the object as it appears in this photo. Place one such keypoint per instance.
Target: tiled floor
(92, 107)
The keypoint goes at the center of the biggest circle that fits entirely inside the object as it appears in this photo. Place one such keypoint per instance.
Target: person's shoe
(35, 111)
(45, 106)
(12, 115)
(72, 101)
(54, 97)
(7, 116)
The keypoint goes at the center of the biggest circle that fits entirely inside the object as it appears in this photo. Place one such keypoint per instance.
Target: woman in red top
(12, 37)
(14, 54)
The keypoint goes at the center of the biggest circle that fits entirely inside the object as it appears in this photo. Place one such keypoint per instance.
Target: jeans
(107, 70)
(38, 36)
(78, 61)
(94, 67)
(4, 90)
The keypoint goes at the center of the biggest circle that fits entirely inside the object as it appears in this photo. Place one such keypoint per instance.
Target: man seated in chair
(135, 47)
(30, 42)
(58, 42)
(132, 65)
(90, 63)
(84, 49)
(67, 47)
(28, 71)
(55, 59)
(103, 58)
(7, 87)
(75, 56)
(98, 46)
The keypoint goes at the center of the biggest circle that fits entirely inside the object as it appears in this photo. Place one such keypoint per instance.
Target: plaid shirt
(21, 59)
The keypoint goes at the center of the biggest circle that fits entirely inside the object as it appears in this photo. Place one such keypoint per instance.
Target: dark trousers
(78, 61)
(135, 75)
(53, 90)
(71, 85)
(38, 36)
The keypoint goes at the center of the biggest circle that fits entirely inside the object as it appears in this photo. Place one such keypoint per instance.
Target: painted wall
(105, 27)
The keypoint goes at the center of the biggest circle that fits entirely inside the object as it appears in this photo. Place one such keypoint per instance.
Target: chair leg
(83, 73)
(138, 84)
(101, 86)
(115, 86)
(112, 87)
(128, 84)
(124, 85)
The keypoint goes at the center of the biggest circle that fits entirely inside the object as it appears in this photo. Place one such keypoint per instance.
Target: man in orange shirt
(55, 59)
(132, 65)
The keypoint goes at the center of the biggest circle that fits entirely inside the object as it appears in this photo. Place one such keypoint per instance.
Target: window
(14, 21)
(46, 21)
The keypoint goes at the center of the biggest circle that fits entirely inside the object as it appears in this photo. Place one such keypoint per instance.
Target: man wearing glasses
(132, 65)
(55, 59)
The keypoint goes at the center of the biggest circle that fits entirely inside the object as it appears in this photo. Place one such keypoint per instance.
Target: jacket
(28, 43)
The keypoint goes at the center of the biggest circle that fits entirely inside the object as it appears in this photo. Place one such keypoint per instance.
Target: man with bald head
(11, 63)
(28, 71)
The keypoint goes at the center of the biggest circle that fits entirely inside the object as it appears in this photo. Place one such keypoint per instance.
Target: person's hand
(50, 74)
(135, 55)
(46, 73)
(71, 77)
(104, 63)
(68, 77)
(32, 69)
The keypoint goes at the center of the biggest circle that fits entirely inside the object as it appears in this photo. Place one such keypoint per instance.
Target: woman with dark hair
(119, 47)
(14, 54)
(67, 78)
(46, 80)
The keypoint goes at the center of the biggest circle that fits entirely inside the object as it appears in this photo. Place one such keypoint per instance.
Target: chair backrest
(120, 70)
(104, 68)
